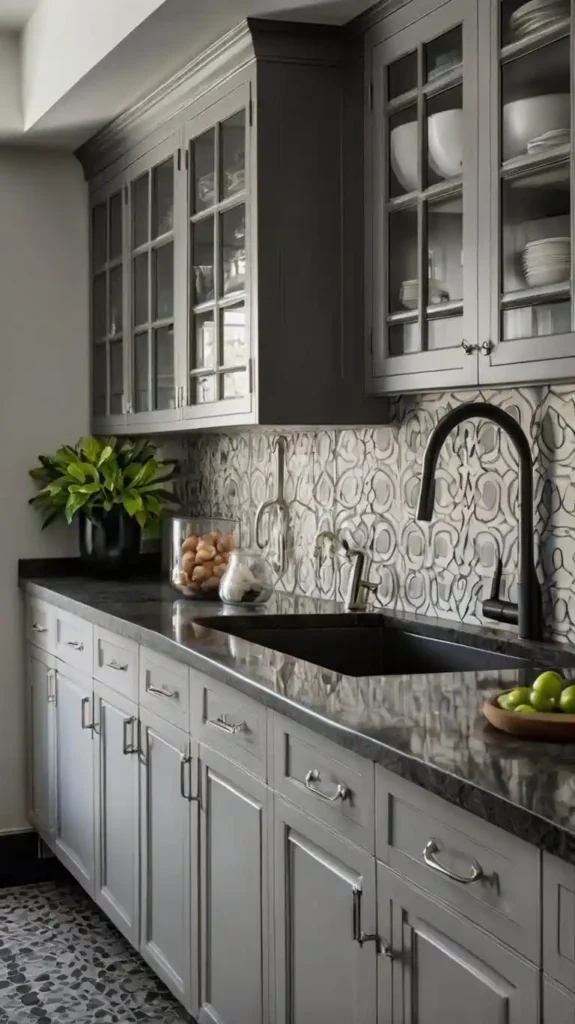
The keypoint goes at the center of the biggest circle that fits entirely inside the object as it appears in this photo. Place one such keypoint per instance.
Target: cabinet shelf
(535, 40)
(553, 157)
(446, 80)
(536, 296)
(437, 311)
(441, 190)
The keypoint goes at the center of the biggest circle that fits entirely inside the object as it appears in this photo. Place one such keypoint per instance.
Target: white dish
(409, 293)
(403, 155)
(445, 142)
(542, 277)
(525, 120)
(537, 9)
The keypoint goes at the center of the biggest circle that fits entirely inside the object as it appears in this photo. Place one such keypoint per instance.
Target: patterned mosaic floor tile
(62, 962)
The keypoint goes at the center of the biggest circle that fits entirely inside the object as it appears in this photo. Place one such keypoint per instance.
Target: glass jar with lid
(248, 578)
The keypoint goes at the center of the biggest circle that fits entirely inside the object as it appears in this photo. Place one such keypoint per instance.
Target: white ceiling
(15, 13)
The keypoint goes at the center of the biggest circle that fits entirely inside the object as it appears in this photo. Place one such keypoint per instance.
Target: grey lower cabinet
(74, 728)
(41, 682)
(439, 967)
(116, 809)
(558, 1004)
(168, 855)
(234, 894)
(324, 923)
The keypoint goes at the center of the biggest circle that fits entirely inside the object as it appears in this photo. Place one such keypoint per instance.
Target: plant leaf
(141, 518)
(132, 502)
(91, 447)
(76, 470)
(74, 504)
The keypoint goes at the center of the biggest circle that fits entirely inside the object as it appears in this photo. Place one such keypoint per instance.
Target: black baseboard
(24, 860)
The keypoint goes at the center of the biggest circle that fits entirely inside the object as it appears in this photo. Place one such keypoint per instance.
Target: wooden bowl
(540, 726)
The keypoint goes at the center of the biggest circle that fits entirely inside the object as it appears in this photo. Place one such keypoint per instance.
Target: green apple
(549, 684)
(567, 700)
(540, 702)
(526, 709)
(518, 696)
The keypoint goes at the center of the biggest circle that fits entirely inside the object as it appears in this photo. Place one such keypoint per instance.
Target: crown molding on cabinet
(251, 40)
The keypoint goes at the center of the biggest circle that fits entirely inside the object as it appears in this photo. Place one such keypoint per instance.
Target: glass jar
(248, 578)
(199, 552)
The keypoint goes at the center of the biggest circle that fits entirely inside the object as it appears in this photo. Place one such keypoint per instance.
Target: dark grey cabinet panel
(559, 920)
(442, 968)
(234, 881)
(558, 1004)
(324, 892)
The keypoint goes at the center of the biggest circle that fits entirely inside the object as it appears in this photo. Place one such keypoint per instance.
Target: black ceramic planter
(110, 545)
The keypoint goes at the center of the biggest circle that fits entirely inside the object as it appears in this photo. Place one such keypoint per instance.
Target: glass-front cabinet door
(108, 306)
(423, 306)
(528, 328)
(155, 280)
(219, 235)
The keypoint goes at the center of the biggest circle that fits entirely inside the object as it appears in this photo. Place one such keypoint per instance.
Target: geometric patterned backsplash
(362, 484)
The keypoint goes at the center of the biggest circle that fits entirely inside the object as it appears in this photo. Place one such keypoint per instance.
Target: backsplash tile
(363, 484)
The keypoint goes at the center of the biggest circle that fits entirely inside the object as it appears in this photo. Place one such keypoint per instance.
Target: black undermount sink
(364, 647)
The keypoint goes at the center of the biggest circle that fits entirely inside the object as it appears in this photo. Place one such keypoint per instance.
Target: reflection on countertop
(427, 728)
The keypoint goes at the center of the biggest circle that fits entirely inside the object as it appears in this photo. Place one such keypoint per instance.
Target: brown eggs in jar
(204, 560)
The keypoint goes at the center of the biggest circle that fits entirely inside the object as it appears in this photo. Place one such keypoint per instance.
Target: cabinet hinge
(179, 159)
(125, 195)
(251, 112)
(370, 95)
(187, 159)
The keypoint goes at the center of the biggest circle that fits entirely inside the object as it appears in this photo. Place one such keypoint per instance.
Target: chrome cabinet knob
(469, 347)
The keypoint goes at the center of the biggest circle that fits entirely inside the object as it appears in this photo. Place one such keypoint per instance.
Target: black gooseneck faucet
(528, 612)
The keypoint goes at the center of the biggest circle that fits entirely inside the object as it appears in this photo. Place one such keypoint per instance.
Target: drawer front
(164, 687)
(40, 624)
(116, 662)
(333, 784)
(74, 641)
(225, 720)
(559, 920)
(479, 870)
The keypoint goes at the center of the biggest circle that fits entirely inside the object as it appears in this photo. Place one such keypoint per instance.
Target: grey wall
(43, 394)
(363, 484)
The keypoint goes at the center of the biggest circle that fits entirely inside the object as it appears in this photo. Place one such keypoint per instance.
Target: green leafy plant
(97, 476)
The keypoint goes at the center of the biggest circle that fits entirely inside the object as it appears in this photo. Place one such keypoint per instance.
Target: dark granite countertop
(428, 729)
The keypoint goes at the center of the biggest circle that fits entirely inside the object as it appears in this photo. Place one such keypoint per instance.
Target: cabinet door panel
(116, 766)
(558, 1004)
(322, 972)
(156, 279)
(220, 246)
(422, 132)
(75, 776)
(527, 319)
(444, 968)
(41, 683)
(234, 893)
(559, 920)
(168, 820)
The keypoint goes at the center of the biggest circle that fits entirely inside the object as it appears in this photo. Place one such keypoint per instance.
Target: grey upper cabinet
(237, 303)
(234, 884)
(422, 178)
(437, 966)
(469, 216)
(325, 924)
(109, 305)
(526, 283)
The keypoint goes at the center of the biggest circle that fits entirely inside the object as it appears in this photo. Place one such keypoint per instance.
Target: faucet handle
(496, 609)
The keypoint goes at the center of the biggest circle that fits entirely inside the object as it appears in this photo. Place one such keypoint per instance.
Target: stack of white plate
(536, 15)
(557, 137)
(409, 293)
(547, 261)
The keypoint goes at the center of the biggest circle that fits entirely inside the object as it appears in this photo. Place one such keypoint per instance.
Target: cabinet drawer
(333, 784)
(74, 641)
(116, 662)
(559, 920)
(40, 624)
(422, 837)
(164, 687)
(225, 720)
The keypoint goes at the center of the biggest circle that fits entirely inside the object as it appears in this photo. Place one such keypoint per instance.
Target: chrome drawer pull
(116, 664)
(432, 848)
(38, 628)
(341, 793)
(51, 678)
(86, 701)
(220, 723)
(164, 693)
(185, 761)
(75, 645)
